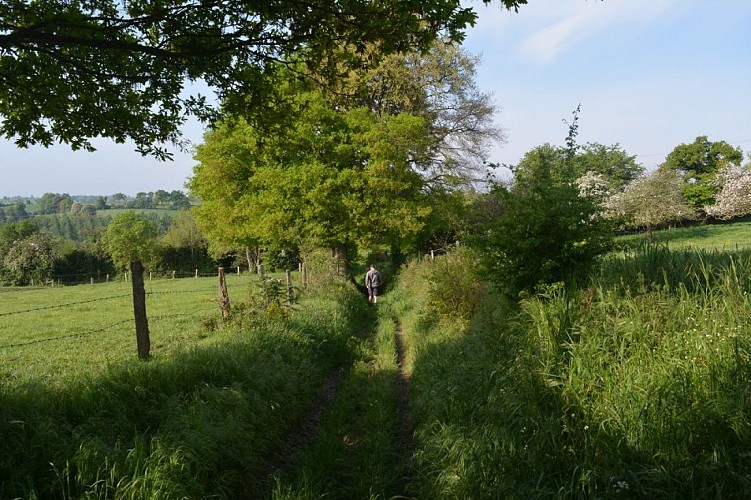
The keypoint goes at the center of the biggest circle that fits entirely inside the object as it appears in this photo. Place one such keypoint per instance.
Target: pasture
(51, 334)
(728, 237)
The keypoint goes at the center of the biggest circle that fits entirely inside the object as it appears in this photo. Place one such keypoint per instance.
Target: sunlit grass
(726, 237)
(52, 333)
(201, 419)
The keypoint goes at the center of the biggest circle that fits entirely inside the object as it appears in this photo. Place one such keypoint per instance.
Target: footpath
(357, 439)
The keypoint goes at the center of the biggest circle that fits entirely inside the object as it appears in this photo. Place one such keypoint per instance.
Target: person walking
(372, 282)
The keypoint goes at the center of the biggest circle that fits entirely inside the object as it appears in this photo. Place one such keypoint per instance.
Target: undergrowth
(202, 423)
(628, 387)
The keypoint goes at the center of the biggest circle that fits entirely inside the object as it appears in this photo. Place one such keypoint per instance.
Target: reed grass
(635, 385)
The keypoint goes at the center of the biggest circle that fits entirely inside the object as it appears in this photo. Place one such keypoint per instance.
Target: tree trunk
(224, 302)
(253, 259)
(139, 310)
(341, 255)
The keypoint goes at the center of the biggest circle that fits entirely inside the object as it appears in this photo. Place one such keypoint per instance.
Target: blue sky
(649, 75)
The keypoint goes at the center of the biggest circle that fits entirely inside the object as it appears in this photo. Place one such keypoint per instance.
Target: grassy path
(362, 447)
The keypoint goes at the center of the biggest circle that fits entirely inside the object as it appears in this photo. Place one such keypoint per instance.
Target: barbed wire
(81, 334)
(10, 313)
(99, 330)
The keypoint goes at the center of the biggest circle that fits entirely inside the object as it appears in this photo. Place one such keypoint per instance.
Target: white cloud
(574, 21)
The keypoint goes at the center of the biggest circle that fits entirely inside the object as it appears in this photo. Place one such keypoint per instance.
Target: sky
(649, 75)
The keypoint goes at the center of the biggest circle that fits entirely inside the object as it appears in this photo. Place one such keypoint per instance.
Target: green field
(633, 384)
(55, 333)
(705, 237)
(146, 211)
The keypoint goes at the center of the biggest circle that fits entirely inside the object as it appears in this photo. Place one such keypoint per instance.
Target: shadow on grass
(496, 420)
(201, 423)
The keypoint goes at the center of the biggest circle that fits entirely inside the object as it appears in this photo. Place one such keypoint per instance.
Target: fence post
(149, 275)
(108, 277)
(289, 287)
(196, 273)
(238, 270)
(432, 256)
(261, 270)
(92, 281)
(173, 274)
(223, 295)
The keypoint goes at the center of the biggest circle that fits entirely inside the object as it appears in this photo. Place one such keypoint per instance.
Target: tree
(439, 86)
(546, 230)
(31, 258)
(545, 233)
(130, 239)
(71, 70)
(53, 203)
(101, 203)
(184, 246)
(614, 166)
(10, 234)
(652, 200)
(734, 198)
(328, 178)
(699, 163)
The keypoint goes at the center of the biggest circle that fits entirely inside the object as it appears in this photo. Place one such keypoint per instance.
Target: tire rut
(406, 439)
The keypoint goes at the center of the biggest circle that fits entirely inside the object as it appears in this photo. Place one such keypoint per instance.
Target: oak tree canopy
(73, 70)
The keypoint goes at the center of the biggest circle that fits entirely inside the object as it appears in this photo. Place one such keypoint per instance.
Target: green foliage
(52, 203)
(130, 237)
(654, 200)
(31, 258)
(327, 178)
(616, 166)
(546, 234)
(699, 163)
(598, 392)
(456, 289)
(77, 70)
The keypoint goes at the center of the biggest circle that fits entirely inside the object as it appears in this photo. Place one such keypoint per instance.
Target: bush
(455, 289)
(546, 234)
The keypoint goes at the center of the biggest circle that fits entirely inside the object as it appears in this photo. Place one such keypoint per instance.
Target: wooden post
(261, 270)
(149, 275)
(432, 256)
(139, 310)
(108, 277)
(173, 274)
(196, 273)
(238, 270)
(289, 287)
(91, 281)
(223, 295)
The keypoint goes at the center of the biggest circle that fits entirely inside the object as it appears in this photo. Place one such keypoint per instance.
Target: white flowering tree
(734, 197)
(651, 200)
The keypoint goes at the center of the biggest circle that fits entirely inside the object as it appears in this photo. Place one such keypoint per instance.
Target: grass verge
(200, 423)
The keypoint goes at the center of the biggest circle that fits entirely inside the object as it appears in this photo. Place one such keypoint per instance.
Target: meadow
(82, 417)
(724, 236)
(633, 384)
(53, 333)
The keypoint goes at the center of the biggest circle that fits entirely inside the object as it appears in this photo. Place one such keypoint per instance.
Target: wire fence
(157, 312)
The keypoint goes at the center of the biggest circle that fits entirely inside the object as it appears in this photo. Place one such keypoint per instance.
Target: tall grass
(634, 386)
(201, 422)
